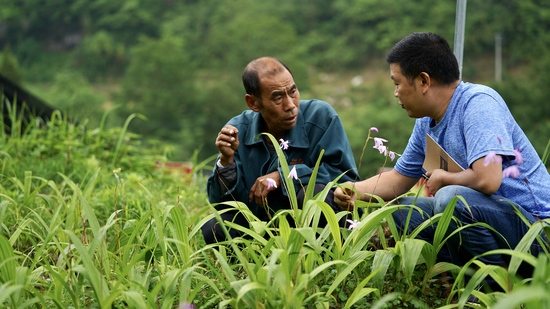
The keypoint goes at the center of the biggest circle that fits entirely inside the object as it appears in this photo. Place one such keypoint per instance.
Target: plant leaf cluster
(89, 219)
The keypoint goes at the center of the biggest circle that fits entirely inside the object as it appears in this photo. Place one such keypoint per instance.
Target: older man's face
(280, 102)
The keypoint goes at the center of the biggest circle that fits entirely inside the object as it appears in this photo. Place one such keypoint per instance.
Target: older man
(248, 170)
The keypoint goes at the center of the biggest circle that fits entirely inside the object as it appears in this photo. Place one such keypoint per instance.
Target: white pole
(459, 32)
(498, 57)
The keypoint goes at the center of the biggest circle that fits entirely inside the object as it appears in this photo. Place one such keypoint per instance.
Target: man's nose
(289, 103)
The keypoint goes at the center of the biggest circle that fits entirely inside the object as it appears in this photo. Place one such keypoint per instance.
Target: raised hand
(227, 142)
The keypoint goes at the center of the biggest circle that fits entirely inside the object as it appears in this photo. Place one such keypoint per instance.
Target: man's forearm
(387, 185)
(227, 177)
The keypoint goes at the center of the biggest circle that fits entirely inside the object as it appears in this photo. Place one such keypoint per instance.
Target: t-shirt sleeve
(410, 162)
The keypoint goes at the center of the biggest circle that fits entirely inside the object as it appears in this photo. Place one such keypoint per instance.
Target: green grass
(88, 220)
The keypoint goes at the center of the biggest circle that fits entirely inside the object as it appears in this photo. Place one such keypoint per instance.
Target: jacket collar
(296, 136)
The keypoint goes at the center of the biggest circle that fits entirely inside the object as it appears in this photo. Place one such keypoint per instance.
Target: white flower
(293, 173)
(271, 183)
(284, 144)
(352, 224)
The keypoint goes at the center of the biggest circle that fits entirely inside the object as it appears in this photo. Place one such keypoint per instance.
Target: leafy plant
(90, 218)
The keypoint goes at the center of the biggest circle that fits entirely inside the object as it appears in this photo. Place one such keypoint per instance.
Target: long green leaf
(361, 292)
(7, 289)
(89, 213)
(118, 150)
(288, 183)
(343, 274)
(97, 281)
(537, 297)
(410, 251)
(380, 265)
(246, 289)
(8, 263)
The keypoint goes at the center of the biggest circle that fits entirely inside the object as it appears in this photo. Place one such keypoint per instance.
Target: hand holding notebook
(437, 157)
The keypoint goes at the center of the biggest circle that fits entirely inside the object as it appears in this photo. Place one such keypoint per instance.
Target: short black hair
(425, 52)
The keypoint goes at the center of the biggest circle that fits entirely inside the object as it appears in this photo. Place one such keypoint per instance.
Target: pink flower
(375, 129)
(511, 171)
(519, 157)
(383, 150)
(293, 173)
(271, 183)
(491, 157)
(352, 224)
(392, 155)
(185, 305)
(379, 142)
(284, 144)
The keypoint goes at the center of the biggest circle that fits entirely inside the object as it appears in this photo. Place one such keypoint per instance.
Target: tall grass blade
(8, 263)
(89, 213)
(380, 265)
(410, 251)
(531, 297)
(118, 148)
(89, 270)
(546, 153)
(288, 183)
(345, 272)
(361, 292)
(7, 290)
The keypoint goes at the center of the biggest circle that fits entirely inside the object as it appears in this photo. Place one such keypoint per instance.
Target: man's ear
(252, 102)
(425, 80)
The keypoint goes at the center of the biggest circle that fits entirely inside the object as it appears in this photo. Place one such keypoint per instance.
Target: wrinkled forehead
(277, 82)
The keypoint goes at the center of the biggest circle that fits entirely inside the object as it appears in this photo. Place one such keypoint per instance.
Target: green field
(91, 219)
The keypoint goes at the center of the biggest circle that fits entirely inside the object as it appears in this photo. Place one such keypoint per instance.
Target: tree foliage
(9, 67)
(179, 62)
(159, 83)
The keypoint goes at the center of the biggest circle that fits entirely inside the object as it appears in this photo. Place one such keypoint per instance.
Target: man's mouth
(290, 119)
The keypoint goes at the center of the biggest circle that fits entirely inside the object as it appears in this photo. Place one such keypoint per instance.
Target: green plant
(88, 219)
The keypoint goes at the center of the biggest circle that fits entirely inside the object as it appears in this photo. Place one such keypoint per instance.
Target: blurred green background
(179, 63)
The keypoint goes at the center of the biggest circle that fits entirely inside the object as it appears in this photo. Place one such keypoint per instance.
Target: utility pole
(460, 23)
(498, 57)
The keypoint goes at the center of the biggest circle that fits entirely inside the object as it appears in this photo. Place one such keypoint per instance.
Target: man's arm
(480, 177)
(387, 185)
(227, 176)
(224, 176)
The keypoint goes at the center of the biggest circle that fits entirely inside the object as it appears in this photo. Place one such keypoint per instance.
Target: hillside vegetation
(178, 63)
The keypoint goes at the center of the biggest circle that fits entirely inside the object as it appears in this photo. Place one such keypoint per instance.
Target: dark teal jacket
(318, 127)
